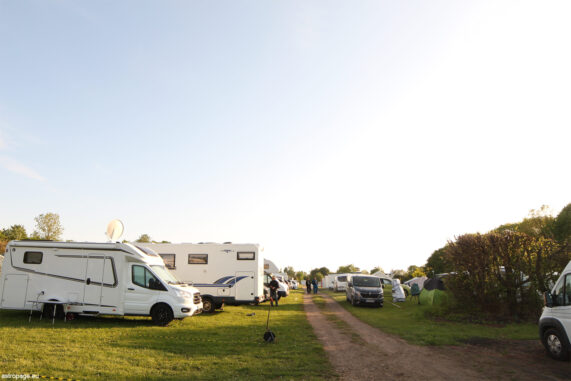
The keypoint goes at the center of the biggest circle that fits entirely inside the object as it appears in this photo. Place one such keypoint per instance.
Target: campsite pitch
(224, 345)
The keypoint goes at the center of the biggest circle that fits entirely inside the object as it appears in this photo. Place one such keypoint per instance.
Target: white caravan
(93, 279)
(340, 282)
(223, 273)
(329, 281)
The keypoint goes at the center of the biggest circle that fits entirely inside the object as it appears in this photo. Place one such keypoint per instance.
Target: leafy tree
(376, 269)
(144, 238)
(316, 273)
(48, 226)
(300, 275)
(15, 232)
(438, 262)
(539, 223)
(413, 272)
(399, 274)
(419, 272)
(324, 271)
(347, 269)
(289, 271)
(503, 273)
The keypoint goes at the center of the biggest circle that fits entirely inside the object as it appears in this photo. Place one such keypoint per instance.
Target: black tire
(48, 311)
(555, 344)
(162, 315)
(380, 305)
(208, 305)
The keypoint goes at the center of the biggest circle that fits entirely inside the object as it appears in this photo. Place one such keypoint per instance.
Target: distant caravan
(224, 273)
(92, 279)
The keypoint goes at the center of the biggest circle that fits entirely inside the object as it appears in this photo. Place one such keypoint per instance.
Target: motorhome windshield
(342, 278)
(359, 281)
(165, 274)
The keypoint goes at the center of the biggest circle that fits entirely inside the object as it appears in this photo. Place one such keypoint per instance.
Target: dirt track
(361, 352)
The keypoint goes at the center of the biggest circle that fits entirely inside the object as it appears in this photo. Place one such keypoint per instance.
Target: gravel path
(361, 352)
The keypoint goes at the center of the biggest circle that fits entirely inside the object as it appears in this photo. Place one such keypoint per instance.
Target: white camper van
(340, 282)
(223, 273)
(555, 321)
(93, 279)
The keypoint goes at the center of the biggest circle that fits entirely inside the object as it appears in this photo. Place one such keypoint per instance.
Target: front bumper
(187, 309)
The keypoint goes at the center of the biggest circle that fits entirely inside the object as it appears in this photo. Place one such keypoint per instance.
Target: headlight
(183, 294)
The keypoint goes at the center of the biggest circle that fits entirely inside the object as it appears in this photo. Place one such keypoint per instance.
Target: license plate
(370, 300)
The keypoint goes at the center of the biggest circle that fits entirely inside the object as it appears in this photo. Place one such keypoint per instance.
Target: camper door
(244, 285)
(100, 287)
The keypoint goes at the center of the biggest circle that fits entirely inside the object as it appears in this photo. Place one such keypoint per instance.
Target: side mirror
(547, 299)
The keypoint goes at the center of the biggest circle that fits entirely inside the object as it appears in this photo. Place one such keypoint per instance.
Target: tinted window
(33, 257)
(359, 281)
(169, 260)
(144, 278)
(562, 293)
(246, 256)
(197, 259)
(341, 279)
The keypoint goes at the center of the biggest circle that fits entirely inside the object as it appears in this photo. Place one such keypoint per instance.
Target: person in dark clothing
(274, 286)
(308, 285)
(314, 282)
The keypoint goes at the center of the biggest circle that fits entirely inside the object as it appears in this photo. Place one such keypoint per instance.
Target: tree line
(48, 227)
(501, 273)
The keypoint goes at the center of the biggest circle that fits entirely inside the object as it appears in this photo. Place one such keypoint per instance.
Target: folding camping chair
(415, 292)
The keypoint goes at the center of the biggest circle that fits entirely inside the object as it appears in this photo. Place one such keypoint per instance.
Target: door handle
(88, 281)
(131, 289)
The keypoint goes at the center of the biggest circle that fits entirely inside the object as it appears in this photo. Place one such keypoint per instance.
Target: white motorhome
(93, 279)
(270, 267)
(223, 273)
(340, 282)
(329, 281)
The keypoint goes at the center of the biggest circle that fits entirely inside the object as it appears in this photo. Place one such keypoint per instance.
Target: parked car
(555, 321)
(294, 284)
(364, 289)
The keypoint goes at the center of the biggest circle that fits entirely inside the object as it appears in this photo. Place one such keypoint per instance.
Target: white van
(555, 321)
(340, 282)
(93, 279)
(224, 273)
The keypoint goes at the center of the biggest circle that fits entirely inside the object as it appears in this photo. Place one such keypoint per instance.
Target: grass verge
(410, 322)
(223, 345)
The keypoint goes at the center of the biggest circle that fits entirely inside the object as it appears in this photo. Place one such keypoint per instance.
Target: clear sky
(330, 132)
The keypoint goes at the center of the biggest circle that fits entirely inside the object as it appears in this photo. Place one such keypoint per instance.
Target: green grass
(223, 345)
(410, 322)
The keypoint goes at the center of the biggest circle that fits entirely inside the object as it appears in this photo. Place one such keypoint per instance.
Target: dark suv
(364, 289)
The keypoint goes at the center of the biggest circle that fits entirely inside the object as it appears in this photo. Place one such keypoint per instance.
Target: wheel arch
(547, 323)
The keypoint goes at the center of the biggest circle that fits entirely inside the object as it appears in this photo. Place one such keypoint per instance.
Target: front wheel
(207, 305)
(162, 315)
(555, 344)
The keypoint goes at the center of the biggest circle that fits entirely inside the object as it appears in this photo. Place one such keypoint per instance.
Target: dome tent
(433, 292)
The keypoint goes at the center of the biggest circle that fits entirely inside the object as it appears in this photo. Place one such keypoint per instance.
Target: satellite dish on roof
(115, 230)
